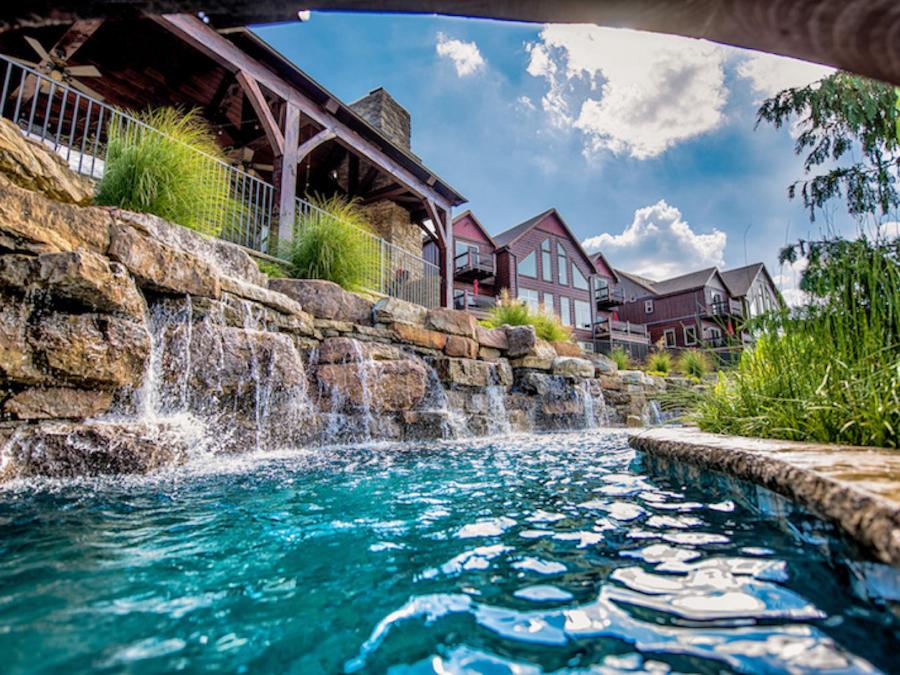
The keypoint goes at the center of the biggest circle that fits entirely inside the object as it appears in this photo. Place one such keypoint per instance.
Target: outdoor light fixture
(304, 14)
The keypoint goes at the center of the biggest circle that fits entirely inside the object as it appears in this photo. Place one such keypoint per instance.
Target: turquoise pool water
(543, 553)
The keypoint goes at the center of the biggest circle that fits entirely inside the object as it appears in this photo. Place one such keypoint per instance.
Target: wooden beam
(386, 192)
(365, 185)
(286, 175)
(314, 142)
(263, 112)
(74, 38)
(194, 32)
(443, 224)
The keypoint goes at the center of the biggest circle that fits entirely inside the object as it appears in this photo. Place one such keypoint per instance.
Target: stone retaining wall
(120, 332)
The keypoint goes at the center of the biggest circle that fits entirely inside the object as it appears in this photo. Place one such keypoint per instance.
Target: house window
(527, 266)
(562, 264)
(690, 335)
(578, 279)
(713, 334)
(546, 264)
(648, 307)
(586, 346)
(669, 334)
(582, 314)
(565, 311)
(548, 303)
(529, 297)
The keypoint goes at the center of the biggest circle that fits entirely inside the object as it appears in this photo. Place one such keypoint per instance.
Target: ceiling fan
(242, 158)
(56, 68)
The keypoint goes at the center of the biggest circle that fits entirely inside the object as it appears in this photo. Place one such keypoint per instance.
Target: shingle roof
(513, 233)
(640, 281)
(685, 282)
(739, 279)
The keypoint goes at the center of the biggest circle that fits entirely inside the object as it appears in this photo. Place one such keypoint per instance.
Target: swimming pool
(551, 552)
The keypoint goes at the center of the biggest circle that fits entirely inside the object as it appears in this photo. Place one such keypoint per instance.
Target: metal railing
(77, 128)
(474, 261)
(390, 270)
(608, 327)
(724, 307)
(609, 295)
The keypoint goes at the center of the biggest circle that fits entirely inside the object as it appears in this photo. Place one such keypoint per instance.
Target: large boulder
(17, 358)
(564, 348)
(41, 403)
(32, 223)
(383, 386)
(66, 449)
(161, 267)
(391, 310)
(572, 367)
(326, 300)
(494, 338)
(451, 321)
(466, 372)
(603, 364)
(520, 340)
(464, 347)
(349, 350)
(417, 335)
(86, 279)
(33, 166)
(227, 259)
(247, 291)
(541, 357)
(91, 349)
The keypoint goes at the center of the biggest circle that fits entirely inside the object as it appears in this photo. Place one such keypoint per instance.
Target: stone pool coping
(856, 487)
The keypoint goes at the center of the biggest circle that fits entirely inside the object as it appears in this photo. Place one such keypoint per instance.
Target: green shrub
(514, 312)
(271, 269)
(169, 172)
(694, 363)
(333, 242)
(659, 362)
(828, 371)
(621, 358)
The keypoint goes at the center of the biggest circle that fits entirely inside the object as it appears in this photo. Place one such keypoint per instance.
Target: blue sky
(645, 143)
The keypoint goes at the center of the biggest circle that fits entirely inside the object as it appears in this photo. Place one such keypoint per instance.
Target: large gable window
(562, 264)
(582, 314)
(529, 297)
(578, 279)
(527, 266)
(546, 261)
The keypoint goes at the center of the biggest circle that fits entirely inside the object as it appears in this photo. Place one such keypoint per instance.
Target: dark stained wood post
(447, 286)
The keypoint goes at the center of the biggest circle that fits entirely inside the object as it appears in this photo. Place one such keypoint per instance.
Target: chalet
(754, 288)
(287, 136)
(703, 309)
(610, 331)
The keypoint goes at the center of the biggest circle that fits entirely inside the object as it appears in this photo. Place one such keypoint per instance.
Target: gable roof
(508, 237)
(599, 255)
(685, 282)
(643, 282)
(511, 235)
(468, 213)
(740, 279)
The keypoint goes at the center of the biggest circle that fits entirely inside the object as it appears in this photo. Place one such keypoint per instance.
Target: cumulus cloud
(629, 92)
(465, 56)
(788, 282)
(890, 230)
(659, 244)
(769, 74)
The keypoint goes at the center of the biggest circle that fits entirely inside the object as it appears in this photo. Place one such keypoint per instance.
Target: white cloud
(629, 92)
(770, 74)
(659, 244)
(788, 282)
(466, 56)
(890, 230)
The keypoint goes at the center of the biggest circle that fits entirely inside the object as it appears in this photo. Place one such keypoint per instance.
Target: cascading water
(498, 417)
(594, 404)
(652, 414)
(436, 401)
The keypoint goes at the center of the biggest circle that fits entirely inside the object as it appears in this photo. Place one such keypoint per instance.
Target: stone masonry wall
(128, 343)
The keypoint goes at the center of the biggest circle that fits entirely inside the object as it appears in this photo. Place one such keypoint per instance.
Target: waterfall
(652, 414)
(595, 411)
(498, 417)
(453, 422)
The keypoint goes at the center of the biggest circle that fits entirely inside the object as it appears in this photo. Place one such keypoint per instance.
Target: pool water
(542, 553)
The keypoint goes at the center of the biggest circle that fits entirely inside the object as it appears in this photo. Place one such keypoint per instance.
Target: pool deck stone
(858, 488)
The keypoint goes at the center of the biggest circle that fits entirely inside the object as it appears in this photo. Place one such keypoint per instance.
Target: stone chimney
(380, 110)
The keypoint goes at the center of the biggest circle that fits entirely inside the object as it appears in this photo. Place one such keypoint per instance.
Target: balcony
(472, 265)
(723, 309)
(607, 329)
(609, 296)
(478, 305)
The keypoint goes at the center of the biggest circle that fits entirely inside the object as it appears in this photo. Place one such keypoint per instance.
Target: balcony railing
(473, 265)
(607, 328)
(609, 296)
(724, 307)
(474, 303)
(76, 127)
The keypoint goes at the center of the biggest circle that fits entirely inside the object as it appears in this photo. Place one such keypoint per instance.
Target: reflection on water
(547, 553)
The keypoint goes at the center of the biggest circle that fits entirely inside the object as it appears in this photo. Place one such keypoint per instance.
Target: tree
(850, 126)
